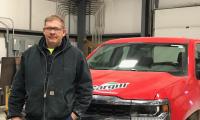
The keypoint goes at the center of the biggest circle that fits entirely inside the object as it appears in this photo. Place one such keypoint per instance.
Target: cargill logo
(110, 86)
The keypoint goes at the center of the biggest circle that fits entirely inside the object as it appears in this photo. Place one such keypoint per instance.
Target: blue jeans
(69, 117)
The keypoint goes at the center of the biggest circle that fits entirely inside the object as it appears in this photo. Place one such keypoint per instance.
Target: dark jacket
(51, 87)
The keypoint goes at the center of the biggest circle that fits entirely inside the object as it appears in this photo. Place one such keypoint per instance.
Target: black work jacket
(51, 87)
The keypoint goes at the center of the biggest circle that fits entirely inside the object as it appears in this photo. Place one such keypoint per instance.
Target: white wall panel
(177, 3)
(67, 23)
(0, 70)
(3, 48)
(40, 10)
(182, 22)
(123, 16)
(87, 23)
(179, 32)
(92, 23)
(73, 24)
(18, 10)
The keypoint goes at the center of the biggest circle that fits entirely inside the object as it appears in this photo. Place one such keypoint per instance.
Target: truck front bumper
(163, 116)
(98, 117)
(113, 108)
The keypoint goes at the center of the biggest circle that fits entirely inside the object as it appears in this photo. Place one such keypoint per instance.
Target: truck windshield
(141, 57)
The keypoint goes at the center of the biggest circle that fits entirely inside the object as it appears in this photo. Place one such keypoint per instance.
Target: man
(53, 81)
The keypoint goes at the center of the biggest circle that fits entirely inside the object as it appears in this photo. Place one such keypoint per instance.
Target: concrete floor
(2, 116)
(2, 113)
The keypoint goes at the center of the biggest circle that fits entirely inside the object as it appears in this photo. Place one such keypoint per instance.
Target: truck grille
(109, 110)
(113, 108)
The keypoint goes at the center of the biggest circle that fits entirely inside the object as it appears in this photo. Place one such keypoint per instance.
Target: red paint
(183, 92)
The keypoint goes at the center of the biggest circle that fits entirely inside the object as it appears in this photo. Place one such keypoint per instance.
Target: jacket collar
(64, 45)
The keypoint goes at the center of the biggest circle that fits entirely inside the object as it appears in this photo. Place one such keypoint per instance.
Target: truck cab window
(197, 60)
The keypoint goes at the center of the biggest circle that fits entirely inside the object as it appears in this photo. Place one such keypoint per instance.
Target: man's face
(53, 32)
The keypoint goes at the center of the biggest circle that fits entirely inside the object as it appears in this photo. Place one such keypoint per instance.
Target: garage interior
(89, 23)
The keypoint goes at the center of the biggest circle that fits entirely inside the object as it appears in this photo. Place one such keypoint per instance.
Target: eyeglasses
(49, 29)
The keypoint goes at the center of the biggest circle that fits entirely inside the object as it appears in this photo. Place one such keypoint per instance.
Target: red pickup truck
(145, 78)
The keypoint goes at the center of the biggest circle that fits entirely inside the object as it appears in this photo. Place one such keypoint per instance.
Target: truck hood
(131, 84)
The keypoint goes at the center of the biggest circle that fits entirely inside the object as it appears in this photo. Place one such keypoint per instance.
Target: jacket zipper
(45, 94)
(46, 81)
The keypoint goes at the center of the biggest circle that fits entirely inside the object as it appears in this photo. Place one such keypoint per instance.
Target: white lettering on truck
(110, 86)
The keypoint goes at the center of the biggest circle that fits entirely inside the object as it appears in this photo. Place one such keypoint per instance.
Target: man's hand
(74, 117)
(16, 118)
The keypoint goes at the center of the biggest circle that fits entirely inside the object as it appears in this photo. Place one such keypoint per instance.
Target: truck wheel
(195, 116)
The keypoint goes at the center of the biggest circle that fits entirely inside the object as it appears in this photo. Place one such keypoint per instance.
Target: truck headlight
(150, 110)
